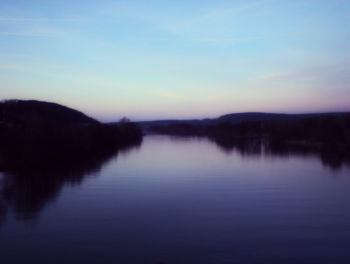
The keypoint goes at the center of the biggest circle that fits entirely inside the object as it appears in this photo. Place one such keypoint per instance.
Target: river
(179, 200)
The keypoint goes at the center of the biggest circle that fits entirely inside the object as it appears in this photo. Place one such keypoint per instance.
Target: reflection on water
(2, 206)
(27, 192)
(180, 200)
(329, 157)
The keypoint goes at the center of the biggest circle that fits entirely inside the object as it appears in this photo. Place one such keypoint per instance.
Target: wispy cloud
(13, 67)
(171, 95)
(211, 24)
(275, 75)
(221, 12)
(37, 26)
(31, 64)
(319, 72)
(328, 79)
(38, 31)
(217, 25)
(221, 40)
(27, 19)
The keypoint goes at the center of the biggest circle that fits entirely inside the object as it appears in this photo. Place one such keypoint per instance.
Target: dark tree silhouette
(38, 134)
(327, 136)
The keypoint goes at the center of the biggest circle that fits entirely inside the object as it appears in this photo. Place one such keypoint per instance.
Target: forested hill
(237, 118)
(36, 134)
(29, 111)
(256, 116)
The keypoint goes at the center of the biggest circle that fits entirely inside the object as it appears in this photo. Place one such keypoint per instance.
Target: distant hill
(25, 111)
(256, 116)
(36, 134)
(237, 118)
(324, 134)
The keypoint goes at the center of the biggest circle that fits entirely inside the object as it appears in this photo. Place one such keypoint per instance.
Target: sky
(177, 59)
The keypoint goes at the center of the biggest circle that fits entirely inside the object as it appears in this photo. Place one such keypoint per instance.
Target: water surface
(179, 200)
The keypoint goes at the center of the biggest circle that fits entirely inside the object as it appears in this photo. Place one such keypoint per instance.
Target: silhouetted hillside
(235, 118)
(37, 134)
(327, 134)
(255, 116)
(29, 111)
(317, 128)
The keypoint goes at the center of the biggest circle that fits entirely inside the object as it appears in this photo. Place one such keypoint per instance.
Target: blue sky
(177, 59)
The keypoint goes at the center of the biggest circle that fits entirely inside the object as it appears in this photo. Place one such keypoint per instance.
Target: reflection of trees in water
(243, 146)
(2, 210)
(27, 192)
(329, 156)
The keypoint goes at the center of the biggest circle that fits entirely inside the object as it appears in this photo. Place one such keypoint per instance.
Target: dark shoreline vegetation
(27, 191)
(326, 136)
(36, 134)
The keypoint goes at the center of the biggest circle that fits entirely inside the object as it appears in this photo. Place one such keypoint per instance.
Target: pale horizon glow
(177, 59)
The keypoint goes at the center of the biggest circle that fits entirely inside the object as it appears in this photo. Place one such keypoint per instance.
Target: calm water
(179, 200)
